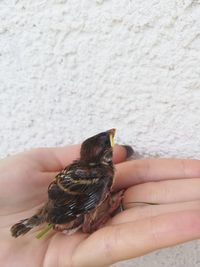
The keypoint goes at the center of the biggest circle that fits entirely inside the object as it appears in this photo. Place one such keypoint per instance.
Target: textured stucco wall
(69, 69)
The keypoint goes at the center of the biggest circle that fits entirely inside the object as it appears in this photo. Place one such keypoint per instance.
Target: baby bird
(80, 195)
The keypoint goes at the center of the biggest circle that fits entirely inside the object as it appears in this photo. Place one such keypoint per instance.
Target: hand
(24, 179)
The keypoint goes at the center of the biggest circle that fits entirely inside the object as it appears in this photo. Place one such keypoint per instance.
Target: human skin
(172, 183)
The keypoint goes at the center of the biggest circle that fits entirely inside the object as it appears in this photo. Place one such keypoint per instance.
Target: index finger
(57, 158)
(140, 171)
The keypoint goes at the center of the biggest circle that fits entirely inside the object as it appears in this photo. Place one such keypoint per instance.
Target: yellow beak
(112, 135)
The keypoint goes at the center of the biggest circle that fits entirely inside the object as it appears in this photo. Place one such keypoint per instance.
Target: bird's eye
(105, 140)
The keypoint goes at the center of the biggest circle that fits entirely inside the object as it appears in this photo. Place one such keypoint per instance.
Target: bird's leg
(100, 215)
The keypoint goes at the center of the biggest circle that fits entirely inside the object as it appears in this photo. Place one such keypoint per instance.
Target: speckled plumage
(77, 192)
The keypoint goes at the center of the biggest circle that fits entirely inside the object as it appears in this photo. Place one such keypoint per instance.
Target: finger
(54, 158)
(164, 191)
(121, 153)
(135, 213)
(43, 180)
(140, 171)
(57, 158)
(129, 240)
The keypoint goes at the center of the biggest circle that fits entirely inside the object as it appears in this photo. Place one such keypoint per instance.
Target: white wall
(69, 69)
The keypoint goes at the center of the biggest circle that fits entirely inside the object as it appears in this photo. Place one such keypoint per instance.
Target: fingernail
(129, 151)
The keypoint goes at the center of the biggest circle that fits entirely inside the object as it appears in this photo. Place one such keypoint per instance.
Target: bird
(80, 195)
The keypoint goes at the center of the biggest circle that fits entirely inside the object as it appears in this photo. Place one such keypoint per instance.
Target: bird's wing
(76, 191)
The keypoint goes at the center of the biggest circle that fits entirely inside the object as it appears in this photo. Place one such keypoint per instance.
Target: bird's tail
(26, 225)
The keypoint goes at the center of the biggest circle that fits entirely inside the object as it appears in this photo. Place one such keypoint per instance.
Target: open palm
(24, 179)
